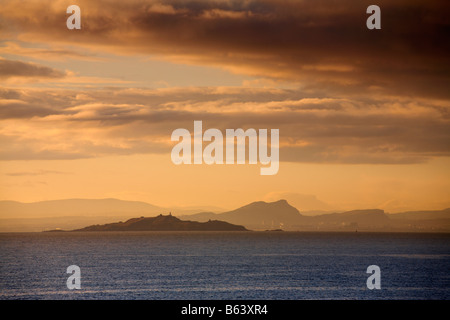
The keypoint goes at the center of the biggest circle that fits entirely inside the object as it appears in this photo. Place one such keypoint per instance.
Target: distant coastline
(74, 214)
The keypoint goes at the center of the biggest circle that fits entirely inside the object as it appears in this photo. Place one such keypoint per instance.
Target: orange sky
(363, 114)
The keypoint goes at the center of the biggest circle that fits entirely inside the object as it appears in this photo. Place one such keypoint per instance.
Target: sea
(273, 265)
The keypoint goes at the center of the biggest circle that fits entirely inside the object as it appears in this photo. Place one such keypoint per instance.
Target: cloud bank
(65, 124)
(323, 45)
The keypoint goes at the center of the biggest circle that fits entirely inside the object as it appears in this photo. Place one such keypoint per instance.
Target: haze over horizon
(72, 214)
(363, 114)
(306, 204)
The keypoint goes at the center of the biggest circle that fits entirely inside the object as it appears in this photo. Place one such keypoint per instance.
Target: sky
(363, 115)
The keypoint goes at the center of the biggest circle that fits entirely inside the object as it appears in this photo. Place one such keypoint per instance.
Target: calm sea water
(224, 265)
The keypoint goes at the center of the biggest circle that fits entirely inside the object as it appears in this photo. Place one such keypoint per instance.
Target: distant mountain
(422, 215)
(368, 220)
(303, 202)
(77, 207)
(280, 214)
(368, 216)
(257, 215)
(164, 223)
(195, 209)
(426, 220)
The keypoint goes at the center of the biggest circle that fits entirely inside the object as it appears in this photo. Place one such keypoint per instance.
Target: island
(162, 223)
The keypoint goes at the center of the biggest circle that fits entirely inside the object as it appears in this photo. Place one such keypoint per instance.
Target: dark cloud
(12, 68)
(11, 110)
(29, 103)
(322, 44)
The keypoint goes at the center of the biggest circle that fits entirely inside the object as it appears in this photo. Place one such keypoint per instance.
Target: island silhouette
(163, 223)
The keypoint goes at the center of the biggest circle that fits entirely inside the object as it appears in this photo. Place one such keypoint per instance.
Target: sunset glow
(363, 115)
